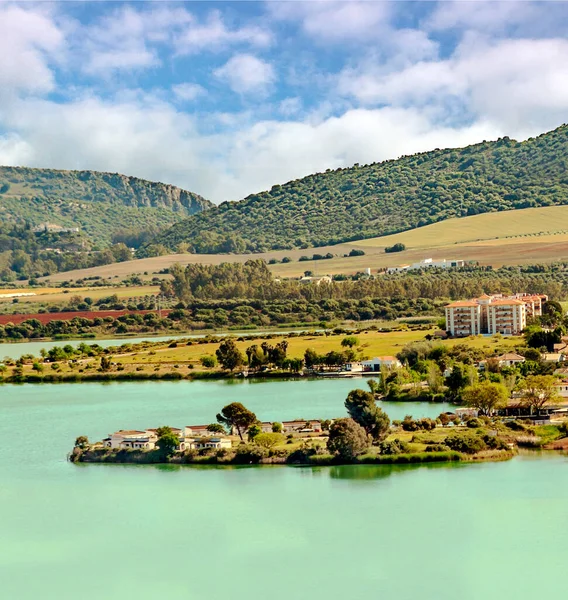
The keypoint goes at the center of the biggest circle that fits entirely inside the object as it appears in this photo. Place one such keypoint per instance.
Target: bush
(467, 442)
(208, 361)
(249, 454)
(395, 248)
(474, 423)
(437, 448)
(395, 446)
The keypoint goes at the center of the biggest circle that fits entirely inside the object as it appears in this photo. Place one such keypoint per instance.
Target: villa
(375, 364)
(195, 437)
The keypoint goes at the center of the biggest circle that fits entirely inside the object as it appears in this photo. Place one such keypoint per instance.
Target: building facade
(492, 314)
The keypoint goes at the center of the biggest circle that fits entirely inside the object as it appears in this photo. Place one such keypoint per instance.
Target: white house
(198, 431)
(510, 359)
(134, 439)
(375, 364)
(210, 442)
(301, 426)
(353, 367)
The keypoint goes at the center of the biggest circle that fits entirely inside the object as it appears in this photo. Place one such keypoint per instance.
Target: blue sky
(229, 98)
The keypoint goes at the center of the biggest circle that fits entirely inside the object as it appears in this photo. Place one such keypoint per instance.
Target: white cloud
(511, 82)
(245, 73)
(214, 34)
(333, 20)
(29, 39)
(188, 91)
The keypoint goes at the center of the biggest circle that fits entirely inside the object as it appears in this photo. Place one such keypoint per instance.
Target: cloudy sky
(229, 98)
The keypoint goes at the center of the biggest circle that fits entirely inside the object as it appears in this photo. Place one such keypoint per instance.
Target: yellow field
(488, 226)
(372, 343)
(527, 236)
(52, 295)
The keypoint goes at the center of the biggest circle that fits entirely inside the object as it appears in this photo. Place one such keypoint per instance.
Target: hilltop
(379, 199)
(99, 204)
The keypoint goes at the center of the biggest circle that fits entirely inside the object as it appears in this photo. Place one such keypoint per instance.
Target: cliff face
(98, 203)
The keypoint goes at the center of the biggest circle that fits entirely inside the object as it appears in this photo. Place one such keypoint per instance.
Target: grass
(57, 295)
(488, 226)
(526, 236)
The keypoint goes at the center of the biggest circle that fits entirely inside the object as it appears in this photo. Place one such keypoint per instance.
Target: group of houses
(193, 437)
(493, 314)
(198, 437)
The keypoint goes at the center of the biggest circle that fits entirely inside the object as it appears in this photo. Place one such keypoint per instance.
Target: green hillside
(366, 201)
(99, 204)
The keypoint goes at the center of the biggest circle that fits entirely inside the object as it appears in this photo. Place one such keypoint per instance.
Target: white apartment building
(492, 314)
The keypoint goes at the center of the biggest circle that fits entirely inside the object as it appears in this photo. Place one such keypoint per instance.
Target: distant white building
(375, 364)
(316, 280)
(427, 263)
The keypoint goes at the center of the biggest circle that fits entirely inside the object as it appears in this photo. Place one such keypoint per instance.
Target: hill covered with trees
(378, 199)
(106, 207)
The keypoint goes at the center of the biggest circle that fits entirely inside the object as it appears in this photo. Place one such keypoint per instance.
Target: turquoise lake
(465, 532)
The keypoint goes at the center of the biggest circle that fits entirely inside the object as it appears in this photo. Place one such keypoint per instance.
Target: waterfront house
(132, 439)
(216, 442)
(198, 431)
(301, 426)
(375, 364)
(353, 367)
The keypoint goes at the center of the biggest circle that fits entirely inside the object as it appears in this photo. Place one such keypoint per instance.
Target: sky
(229, 98)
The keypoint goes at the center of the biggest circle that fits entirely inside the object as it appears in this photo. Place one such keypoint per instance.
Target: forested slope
(378, 199)
(99, 204)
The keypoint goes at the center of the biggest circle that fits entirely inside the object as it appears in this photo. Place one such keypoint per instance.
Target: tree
(486, 396)
(311, 358)
(236, 416)
(268, 440)
(82, 442)
(362, 408)
(350, 341)
(277, 427)
(106, 363)
(456, 381)
(434, 378)
(253, 431)
(168, 441)
(347, 439)
(229, 355)
(538, 390)
(216, 428)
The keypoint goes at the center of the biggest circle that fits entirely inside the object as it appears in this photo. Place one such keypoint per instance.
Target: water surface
(490, 531)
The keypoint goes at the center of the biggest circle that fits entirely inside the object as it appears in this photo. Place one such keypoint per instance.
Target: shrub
(208, 361)
(395, 446)
(249, 454)
(467, 442)
(395, 248)
(437, 448)
(474, 423)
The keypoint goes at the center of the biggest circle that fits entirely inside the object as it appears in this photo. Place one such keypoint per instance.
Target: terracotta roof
(510, 356)
(484, 297)
(507, 302)
(462, 303)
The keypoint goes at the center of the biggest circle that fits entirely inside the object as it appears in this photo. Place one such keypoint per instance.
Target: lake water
(15, 350)
(488, 531)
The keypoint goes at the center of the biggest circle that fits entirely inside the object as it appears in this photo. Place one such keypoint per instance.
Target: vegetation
(101, 205)
(383, 198)
(395, 248)
(347, 439)
(361, 407)
(236, 416)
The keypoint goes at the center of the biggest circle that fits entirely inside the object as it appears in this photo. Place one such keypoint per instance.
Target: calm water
(490, 531)
(15, 350)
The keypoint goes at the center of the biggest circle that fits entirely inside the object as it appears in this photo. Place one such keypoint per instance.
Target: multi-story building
(492, 314)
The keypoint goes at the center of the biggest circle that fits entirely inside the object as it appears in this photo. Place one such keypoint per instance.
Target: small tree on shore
(347, 439)
(236, 416)
(216, 428)
(362, 408)
(168, 441)
(82, 442)
(538, 390)
(486, 396)
(350, 341)
(228, 355)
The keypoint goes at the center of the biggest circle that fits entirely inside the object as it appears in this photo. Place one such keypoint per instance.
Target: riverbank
(254, 456)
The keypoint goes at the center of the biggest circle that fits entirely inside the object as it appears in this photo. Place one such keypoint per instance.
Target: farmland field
(527, 236)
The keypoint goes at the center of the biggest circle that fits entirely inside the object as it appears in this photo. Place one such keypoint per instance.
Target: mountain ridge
(378, 199)
(97, 202)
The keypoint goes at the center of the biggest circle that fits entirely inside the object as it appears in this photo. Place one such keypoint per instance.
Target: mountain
(99, 204)
(372, 200)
